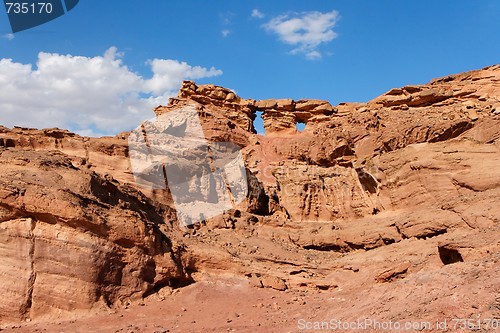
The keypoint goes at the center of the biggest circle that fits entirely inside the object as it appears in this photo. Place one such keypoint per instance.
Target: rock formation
(72, 238)
(368, 194)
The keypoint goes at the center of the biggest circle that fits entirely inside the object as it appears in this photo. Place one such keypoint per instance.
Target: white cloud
(313, 55)
(168, 74)
(96, 96)
(9, 36)
(305, 31)
(225, 32)
(257, 14)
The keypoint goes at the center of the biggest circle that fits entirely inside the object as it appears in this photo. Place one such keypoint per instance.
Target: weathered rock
(312, 105)
(397, 272)
(368, 192)
(266, 104)
(273, 282)
(279, 122)
(72, 238)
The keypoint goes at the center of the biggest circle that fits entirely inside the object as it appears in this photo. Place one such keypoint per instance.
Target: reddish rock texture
(72, 238)
(371, 204)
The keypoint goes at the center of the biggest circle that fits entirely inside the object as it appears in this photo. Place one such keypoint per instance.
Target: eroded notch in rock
(367, 181)
(449, 255)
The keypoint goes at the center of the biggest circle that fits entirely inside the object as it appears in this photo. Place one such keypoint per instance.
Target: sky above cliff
(100, 68)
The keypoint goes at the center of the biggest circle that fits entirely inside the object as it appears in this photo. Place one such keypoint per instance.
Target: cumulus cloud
(90, 95)
(168, 74)
(257, 14)
(305, 31)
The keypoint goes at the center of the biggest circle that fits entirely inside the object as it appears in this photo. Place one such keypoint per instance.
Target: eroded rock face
(71, 238)
(280, 115)
(368, 194)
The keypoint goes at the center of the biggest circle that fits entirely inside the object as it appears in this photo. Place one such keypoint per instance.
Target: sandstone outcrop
(280, 115)
(394, 191)
(71, 238)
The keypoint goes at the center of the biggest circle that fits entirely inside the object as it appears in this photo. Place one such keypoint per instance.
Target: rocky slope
(369, 200)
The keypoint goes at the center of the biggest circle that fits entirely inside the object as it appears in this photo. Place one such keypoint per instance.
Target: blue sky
(350, 50)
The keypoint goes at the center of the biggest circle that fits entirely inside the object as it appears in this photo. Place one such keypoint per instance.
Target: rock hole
(300, 126)
(449, 255)
(326, 247)
(9, 143)
(368, 182)
(323, 286)
(258, 123)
